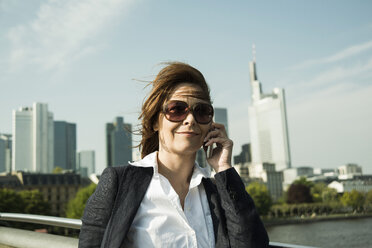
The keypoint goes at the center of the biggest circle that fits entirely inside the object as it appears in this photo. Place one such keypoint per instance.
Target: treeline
(305, 198)
(25, 202)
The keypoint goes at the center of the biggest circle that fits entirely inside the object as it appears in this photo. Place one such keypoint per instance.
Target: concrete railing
(12, 237)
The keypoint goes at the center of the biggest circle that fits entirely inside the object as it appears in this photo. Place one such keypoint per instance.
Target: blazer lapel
(218, 216)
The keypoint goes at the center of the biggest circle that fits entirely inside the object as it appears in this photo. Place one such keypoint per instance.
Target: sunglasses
(177, 111)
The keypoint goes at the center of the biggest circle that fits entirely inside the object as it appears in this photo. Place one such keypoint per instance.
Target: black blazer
(111, 209)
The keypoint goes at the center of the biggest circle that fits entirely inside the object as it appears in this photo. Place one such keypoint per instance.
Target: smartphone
(209, 151)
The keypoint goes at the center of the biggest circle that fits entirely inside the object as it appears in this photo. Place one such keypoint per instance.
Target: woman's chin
(187, 150)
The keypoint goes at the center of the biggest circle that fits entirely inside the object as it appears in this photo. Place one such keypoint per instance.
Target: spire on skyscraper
(254, 52)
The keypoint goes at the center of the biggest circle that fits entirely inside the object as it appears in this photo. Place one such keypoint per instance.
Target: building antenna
(254, 52)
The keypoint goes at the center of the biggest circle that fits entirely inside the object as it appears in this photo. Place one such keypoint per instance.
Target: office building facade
(5, 152)
(273, 179)
(220, 116)
(268, 125)
(244, 156)
(33, 139)
(86, 162)
(65, 145)
(118, 142)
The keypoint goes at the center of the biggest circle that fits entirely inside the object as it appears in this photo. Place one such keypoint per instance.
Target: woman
(166, 199)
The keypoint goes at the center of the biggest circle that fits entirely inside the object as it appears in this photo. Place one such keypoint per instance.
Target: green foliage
(368, 199)
(261, 197)
(75, 206)
(34, 203)
(27, 202)
(306, 209)
(354, 199)
(329, 195)
(299, 193)
(10, 201)
(321, 193)
(57, 170)
(317, 190)
(303, 181)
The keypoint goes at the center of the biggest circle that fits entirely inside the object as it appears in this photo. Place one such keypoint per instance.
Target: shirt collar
(151, 161)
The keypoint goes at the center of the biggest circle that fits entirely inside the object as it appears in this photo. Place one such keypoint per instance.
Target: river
(334, 233)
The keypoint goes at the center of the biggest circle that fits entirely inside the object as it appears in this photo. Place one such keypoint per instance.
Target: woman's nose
(189, 119)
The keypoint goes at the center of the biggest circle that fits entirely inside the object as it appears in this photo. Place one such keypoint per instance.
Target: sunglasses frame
(189, 108)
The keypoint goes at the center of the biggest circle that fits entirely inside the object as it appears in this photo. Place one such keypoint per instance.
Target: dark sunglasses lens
(176, 111)
(203, 113)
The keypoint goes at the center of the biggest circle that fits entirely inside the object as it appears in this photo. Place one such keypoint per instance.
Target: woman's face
(186, 136)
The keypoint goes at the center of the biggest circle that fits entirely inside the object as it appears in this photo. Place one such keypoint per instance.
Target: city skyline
(320, 53)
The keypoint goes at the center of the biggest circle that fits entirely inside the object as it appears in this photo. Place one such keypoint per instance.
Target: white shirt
(160, 220)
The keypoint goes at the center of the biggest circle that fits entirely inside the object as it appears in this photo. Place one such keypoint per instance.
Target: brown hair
(167, 79)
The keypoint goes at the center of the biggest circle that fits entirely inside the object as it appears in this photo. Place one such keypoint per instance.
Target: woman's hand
(220, 159)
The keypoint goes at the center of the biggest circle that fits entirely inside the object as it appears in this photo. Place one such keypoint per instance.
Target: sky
(90, 61)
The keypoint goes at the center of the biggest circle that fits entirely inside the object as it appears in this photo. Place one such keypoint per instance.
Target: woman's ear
(155, 127)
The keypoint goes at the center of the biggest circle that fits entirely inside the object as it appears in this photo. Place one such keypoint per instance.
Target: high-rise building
(65, 145)
(220, 116)
(33, 143)
(5, 152)
(118, 142)
(273, 179)
(244, 156)
(86, 162)
(268, 125)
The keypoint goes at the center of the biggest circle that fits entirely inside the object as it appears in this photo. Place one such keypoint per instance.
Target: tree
(368, 201)
(317, 190)
(329, 195)
(304, 181)
(369, 197)
(26, 202)
(298, 193)
(10, 201)
(57, 170)
(34, 203)
(75, 207)
(261, 197)
(354, 199)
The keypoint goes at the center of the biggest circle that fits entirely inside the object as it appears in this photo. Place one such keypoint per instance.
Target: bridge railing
(13, 237)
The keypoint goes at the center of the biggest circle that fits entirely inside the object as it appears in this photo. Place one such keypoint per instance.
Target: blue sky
(87, 59)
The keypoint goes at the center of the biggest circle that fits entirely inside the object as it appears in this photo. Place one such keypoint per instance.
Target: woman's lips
(189, 134)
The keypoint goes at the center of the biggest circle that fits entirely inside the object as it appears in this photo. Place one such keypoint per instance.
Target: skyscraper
(244, 156)
(268, 125)
(5, 152)
(220, 116)
(86, 162)
(33, 139)
(118, 142)
(65, 145)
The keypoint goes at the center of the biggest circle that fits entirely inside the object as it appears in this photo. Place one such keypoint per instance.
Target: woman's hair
(163, 86)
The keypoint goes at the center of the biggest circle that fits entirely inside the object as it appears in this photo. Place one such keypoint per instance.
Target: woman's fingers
(219, 126)
(211, 134)
(225, 142)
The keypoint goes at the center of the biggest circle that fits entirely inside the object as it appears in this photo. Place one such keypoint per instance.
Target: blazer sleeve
(98, 210)
(244, 226)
